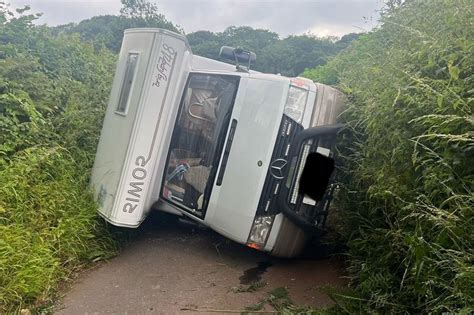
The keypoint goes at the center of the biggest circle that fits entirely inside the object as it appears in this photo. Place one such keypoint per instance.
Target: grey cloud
(57, 12)
(282, 16)
(321, 17)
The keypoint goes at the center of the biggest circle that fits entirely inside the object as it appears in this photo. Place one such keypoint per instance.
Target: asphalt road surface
(178, 268)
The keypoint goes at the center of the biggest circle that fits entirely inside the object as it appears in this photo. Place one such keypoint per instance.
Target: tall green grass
(48, 225)
(408, 164)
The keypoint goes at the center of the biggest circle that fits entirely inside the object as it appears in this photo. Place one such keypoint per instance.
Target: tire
(290, 241)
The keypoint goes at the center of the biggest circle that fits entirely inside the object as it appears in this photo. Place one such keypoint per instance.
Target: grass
(279, 299)
(48, 226)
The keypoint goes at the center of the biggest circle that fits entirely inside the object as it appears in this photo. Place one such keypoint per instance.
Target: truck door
(197, 141)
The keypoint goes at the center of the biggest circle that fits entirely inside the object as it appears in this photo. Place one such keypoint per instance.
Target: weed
(252, 287)
(279, 300)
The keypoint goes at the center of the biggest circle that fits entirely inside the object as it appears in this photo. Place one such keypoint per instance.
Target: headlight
(259, 232)
(296, 103)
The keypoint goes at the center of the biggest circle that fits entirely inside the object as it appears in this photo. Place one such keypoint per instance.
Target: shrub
(53, 92)
(409, 164)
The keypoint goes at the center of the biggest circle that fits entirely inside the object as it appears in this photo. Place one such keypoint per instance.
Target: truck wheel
(290, 240)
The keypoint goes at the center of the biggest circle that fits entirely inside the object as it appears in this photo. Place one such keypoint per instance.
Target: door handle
(225, 157)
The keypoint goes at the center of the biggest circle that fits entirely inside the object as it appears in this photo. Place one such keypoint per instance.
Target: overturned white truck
(247, 154)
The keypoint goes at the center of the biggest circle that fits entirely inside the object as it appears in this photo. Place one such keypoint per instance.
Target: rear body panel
(328, 105)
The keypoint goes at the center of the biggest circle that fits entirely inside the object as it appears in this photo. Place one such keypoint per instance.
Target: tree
(289, 56)
(140, 9)
(292, 55)
(107, 30)
(346, 40)
(205, 43)
(248, 38)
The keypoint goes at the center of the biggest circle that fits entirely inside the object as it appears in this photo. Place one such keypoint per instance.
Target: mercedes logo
(277, 167)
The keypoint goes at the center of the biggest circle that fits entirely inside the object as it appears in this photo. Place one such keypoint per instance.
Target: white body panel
(258, 110)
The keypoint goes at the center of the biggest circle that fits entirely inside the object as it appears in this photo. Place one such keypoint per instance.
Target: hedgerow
(408, 164)
(53, 91)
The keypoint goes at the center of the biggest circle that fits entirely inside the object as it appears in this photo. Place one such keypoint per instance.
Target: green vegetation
(54, 85)
(289, 56)
(409, 160)
(52, 94)
(280, 301)
(107, 30)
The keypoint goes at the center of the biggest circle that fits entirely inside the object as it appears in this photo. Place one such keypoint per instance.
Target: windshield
(197, 141)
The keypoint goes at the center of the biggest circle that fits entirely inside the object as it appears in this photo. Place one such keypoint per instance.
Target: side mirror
(195, 110)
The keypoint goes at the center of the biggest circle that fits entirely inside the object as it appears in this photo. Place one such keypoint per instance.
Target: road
(174, 267)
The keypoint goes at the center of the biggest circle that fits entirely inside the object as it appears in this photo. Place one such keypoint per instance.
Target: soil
(175, 267)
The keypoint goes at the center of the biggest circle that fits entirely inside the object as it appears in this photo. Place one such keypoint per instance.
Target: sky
(285, 17)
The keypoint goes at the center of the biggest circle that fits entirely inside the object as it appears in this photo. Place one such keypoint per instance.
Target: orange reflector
(299, 83)
(254, 246)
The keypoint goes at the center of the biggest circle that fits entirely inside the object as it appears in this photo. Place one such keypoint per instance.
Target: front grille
(286, 134)
(281, 192)
(312, 212)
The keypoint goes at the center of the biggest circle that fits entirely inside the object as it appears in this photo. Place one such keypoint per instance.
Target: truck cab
(248, 154)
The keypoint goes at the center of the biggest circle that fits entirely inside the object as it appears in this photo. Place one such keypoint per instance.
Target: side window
(129, 76)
